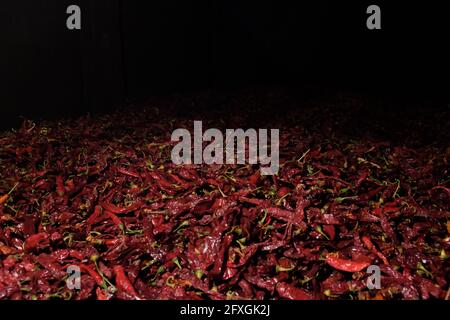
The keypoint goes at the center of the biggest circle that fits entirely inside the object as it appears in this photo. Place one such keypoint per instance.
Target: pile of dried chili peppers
(101, 193)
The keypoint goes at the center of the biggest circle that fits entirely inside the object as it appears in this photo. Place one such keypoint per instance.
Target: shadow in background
(130, 50)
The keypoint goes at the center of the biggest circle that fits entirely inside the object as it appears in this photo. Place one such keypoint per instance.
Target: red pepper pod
(129, 173)
(98, 278)
(95, 215)
(288, 291)
(120, 210)
(368, 243)
(114, 218)
(123, 283)
(344, 264)
(34, 240)
(76, 254)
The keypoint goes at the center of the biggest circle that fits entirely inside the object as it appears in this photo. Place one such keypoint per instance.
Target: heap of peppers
(101, 193)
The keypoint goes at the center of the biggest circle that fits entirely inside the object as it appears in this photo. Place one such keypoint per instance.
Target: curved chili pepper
(179, 181)
(95, 215)
(111, 242)
(123, 282)
(330, 230)
(368, 243)
(98, 278)
(128, 173)
(76, 254)
(161, 180)
(34, 240)
(190, 175)
(286, 216)
(344, 264)
(288, 291)
(219, 263)
(120, 210)
(114, 218)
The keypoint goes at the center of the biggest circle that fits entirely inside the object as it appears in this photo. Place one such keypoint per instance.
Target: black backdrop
(128, 50)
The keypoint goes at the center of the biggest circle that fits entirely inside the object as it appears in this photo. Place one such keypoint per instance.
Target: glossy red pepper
(288, 291)
(95, 215)
(368, 243)
(129, 172)
(120, 210)
(33, 241)
(345, 265)
(123, 283)
(98, 278)
(115, 219)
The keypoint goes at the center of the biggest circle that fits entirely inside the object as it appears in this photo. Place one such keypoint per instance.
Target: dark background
(129, 50)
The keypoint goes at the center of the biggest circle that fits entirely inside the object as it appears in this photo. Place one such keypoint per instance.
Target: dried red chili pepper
(286, 216)
(345, 265)
(115, 219)
(287, 291)
(161, 180)
(129, 173)
(330, 231)
(123, 282)
(98, 278)
(120, 210)
(95, 215)
(76, 254)
(368, 243)
(34, 240)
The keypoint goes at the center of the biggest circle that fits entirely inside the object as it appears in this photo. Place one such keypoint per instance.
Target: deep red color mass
(101, 193)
